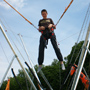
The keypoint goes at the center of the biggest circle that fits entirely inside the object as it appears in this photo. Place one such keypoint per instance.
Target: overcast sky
(70, 25)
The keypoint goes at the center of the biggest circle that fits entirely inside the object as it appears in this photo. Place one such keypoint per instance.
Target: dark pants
(42, 48)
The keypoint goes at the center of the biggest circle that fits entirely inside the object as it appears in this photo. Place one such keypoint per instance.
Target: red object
(51, 29)
(5, 30)
(73, 69)
(83, 78)
(42, 32)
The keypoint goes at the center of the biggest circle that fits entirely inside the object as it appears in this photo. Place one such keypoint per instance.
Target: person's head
(44, 13)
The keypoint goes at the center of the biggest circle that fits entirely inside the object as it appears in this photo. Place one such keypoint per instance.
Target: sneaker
(63, 67)
(39, 68)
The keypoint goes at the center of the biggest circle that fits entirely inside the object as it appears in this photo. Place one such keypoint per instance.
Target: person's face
(44, 15)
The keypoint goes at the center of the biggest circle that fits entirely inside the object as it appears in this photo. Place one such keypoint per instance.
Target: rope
(64, 12)
(33, 24)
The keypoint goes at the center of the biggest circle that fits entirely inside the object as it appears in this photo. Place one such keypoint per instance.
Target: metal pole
(7, 70)
(45, 79)
(28, 77)
(28, 57)
(81, 62)
(88, 50)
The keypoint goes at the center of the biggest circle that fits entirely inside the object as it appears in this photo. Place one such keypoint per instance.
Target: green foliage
(77, 51)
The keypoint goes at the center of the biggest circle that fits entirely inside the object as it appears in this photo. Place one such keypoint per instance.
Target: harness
(47, 36)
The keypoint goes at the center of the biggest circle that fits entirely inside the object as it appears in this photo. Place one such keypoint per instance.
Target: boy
(46, 27)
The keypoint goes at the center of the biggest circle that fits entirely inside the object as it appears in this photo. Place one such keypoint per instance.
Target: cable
(68, 37)
(79, 34)
(4, 52)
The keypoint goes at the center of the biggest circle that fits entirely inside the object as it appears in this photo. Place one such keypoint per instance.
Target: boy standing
(46, 27)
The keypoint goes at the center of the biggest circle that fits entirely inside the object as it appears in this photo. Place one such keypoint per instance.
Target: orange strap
(20, 14)
(64, 11)
(67, 8)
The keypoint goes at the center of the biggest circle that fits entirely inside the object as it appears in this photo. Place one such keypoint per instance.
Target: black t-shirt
(45, 23)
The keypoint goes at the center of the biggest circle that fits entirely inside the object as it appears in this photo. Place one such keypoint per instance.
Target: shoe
(63, 67)
(39, 68)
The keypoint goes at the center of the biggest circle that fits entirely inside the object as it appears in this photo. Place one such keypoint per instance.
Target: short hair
(44, 10)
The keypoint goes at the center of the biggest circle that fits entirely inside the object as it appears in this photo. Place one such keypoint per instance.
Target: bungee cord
(64, 12)
(21, 15)
(32, 23)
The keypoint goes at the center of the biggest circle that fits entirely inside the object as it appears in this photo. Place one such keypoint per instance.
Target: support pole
(88, 50)
(7, 70)
(28, 77)
(28, 56)
(81, 61)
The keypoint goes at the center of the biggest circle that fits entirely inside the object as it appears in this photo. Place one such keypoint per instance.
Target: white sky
(70, 24)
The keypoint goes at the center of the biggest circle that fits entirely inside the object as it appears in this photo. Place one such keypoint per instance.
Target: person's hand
(50, 26)
(54, 26)
(41, 28)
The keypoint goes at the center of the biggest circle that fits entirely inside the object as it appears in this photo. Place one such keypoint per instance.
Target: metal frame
(81, 61)
(7, 70)
(25, 72)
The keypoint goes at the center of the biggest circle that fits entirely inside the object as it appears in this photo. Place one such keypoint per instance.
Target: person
(46, 27)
